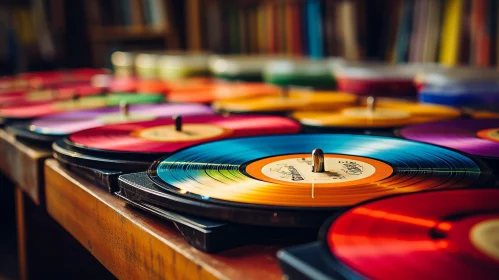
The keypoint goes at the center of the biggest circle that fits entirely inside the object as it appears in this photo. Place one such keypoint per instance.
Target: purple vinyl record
(476, 137)
(67, 123)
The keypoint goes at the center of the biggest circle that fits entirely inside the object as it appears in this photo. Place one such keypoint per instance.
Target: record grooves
(205, 234)
(158, 137)
(429, 235)
(243, 181)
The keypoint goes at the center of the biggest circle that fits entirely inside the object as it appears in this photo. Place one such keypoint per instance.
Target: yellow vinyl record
(420, 112)
(294, 100)
(387, 113)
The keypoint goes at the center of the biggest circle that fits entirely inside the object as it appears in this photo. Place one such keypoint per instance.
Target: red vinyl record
(161, 135)
(451, 234)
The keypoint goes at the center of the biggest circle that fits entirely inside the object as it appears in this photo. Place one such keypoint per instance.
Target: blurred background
(49, 34)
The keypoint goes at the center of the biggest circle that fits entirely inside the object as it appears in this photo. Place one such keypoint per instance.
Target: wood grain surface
(23, 164)
(135, 245)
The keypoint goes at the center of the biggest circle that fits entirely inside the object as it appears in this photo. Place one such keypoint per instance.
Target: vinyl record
(301, 72)
(39, 109)
(377, 79)
(69, 122)
(44, 79)
(60, 92)
(386, 113)
(448, 76)
(162, 136)
(431, 235)
(221, 91)
(483, 114)
(181, 65)
(475, 95)
(476, 137)
(294, 100)
(269, 180)
(239, 67)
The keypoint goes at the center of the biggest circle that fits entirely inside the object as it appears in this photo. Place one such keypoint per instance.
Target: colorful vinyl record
(473, 95)
(269, 180)
(39, 80)
(239, 67)
(301, 72)
(377, 79)
(441, 76)
(39, 109)
(167, 135)
(476, 137)
(123, 84)
(294, 100)
(387, 113)
(60, 92)
(70, 122)
(221, 91)
(431, 235)
(182, 65)
(483, 114)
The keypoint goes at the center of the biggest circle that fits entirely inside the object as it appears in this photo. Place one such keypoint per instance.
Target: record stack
(233, 161)
(475, 88)
(377, 79)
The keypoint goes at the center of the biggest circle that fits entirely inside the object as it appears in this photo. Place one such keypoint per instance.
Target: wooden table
(23, 164)
(45, 249)
(136, 245)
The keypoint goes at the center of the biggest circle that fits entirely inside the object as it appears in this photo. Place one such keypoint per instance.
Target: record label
(190, 132)
(41, 95)
(113, 118)
(380, 114)
(485, 237)
(341, 170)
(489, 134)
(81, 104)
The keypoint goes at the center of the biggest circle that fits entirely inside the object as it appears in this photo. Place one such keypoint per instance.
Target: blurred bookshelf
(124, 22)
(85, 32)
(419, 31)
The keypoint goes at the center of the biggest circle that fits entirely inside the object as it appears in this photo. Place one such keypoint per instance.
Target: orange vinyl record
(159, 86)
(294, 100)
(220, 91)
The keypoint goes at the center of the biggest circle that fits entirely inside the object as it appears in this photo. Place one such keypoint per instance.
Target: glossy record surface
(457, 134)
(70, 122)
(220, 91)
(126, 137)
(295, 100)
(215, 171)
(388, 113)
(417, 236)
(40, 109)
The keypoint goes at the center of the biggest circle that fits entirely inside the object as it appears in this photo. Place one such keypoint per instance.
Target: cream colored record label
(300, 170)
(189, 132)
(80, 104)
(489, 134)
(113, 118)
(485, 237)
(379, 113)
(41, 95)
(340, 170)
